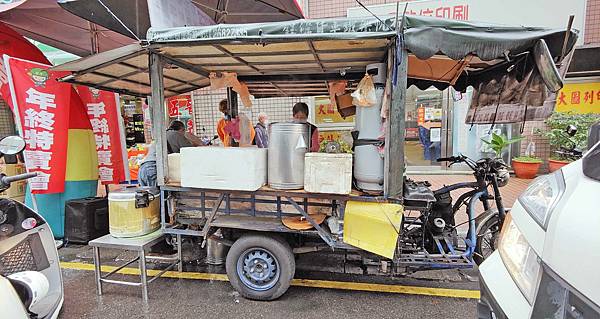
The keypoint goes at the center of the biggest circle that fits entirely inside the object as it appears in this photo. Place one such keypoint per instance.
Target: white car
(548, 260)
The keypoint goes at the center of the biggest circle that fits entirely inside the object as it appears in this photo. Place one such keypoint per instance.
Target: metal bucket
(288, 142)
(216, 252)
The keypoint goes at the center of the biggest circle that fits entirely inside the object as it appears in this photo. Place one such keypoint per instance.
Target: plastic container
(328, 173)
(225, 168)
(52, 206)
(125, 220)
(86, 219)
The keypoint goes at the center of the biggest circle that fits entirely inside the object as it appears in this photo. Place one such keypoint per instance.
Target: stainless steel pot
(288, 142)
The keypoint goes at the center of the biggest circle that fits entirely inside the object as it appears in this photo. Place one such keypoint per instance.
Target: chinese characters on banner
(459, 12)
(102, 110)
(180, 107)
(42, 106)
(579, 98)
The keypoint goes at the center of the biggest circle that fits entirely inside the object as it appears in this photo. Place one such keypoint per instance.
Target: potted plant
(557, 138)
(526, 166)
(499, 142)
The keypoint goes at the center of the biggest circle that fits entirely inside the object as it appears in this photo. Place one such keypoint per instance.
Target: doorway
(426, 136)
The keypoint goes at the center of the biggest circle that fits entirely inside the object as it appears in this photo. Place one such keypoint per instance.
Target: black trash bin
(86, 219)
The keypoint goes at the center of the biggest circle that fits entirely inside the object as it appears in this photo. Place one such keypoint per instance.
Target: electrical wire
(373, 14)
(118, 20)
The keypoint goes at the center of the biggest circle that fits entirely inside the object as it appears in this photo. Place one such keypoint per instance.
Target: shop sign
(41, 105)
(579, 98)
(180, 107)
(506, 12)
(103, 112)
(456, 10)
(326, 113)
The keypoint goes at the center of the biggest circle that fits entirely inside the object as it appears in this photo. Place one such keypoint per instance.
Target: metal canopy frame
(267, 83)
(287, 70)
(298, 58)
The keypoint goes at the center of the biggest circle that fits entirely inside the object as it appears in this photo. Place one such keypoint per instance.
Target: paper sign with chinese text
(326, 113)
(579, 98)
(180, 108)
(41, 104)
(104, 115)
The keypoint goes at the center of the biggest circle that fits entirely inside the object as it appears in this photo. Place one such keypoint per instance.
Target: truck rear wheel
(260, 267)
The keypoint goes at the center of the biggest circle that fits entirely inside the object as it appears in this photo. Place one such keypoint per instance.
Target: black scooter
(30, 278)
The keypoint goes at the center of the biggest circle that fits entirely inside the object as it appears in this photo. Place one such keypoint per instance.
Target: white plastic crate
(328, 173)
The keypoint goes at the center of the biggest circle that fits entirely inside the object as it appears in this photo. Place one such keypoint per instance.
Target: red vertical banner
(41, 106)
(103, 111)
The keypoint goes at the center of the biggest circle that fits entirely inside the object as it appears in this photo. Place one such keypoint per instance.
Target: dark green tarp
(424, 36)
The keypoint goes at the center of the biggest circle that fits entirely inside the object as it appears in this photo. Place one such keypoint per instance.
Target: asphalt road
(184, 298)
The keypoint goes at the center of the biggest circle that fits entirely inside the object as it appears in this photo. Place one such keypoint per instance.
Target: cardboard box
(17, 189)
(12, 169)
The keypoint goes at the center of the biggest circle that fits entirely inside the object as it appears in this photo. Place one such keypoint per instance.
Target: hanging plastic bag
(365, 92)
(246, 130)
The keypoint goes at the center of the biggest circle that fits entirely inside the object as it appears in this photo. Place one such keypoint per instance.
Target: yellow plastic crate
(373, 227)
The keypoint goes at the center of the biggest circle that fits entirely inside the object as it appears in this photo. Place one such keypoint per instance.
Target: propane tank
(368, 161)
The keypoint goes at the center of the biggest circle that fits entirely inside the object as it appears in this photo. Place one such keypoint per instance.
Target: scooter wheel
(260, 267)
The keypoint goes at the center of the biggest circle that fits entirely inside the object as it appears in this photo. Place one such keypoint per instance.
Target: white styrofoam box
(328, 173)
(174, 164)
(225, 168)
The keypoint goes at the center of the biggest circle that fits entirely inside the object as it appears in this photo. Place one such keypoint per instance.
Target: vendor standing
(228, 127)
(224, 136)
(300, 113)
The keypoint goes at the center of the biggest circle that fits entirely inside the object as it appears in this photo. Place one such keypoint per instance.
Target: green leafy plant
(557, 137)
(528, 159)
(499, 142)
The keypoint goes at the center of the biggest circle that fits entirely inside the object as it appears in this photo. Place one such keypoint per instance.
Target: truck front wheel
(260, 267)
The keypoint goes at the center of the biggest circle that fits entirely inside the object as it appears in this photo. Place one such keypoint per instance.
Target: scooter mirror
(571, 130)
(12, 145)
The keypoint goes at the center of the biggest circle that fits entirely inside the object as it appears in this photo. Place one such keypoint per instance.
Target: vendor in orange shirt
(225, 136)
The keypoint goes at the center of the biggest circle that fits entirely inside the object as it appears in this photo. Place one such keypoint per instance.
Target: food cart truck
(301, 58)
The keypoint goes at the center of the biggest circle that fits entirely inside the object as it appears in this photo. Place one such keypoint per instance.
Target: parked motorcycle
(435, 229)
(30, 277)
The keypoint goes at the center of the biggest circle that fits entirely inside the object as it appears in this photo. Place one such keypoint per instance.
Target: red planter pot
(526, 170)
(554, 165)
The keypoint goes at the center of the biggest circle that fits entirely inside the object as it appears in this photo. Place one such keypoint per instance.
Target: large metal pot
(288, 142)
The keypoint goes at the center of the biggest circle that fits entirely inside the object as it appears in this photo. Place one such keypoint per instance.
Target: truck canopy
(297, 58)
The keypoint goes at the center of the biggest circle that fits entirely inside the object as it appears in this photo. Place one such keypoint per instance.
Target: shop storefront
(435, 120)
